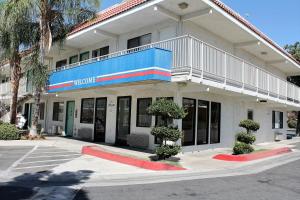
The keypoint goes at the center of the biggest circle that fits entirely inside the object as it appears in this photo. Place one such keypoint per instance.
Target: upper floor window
(84, 56)
(277, 120)
(73, 59)
(61, 63)
(100, 52)
(42, 111)
(139, 41)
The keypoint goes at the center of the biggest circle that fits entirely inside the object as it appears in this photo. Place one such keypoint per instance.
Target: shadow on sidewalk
(27, 185)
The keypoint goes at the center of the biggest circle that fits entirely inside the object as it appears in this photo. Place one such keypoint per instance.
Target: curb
(253, 156)
(101, 153)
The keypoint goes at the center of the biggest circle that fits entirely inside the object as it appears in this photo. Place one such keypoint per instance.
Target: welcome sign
(150, 64)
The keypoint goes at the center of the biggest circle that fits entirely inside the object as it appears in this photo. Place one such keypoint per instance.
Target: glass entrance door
(70, 118)
(123, 120)
(100, 120)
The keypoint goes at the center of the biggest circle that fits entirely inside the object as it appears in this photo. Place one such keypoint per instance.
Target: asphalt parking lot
(33, 159)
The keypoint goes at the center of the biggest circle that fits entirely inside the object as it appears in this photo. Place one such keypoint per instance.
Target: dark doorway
(100, 120)
(123, 120)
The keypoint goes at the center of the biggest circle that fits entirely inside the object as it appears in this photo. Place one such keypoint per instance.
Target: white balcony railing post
(243, 74)
(257, 77)
(286, 90)
(191, 56)
(268, 84)
(225, 71)
(278, 88)
(293, 93)
(202, 60)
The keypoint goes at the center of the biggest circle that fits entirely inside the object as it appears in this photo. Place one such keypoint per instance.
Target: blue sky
(278, 19)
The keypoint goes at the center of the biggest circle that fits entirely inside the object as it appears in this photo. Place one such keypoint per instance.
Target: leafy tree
(167, 135)
(294, 50)
(55, 18)
(16, 33)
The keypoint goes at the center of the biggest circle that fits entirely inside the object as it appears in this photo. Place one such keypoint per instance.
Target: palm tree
(16, 33)
(56, 18)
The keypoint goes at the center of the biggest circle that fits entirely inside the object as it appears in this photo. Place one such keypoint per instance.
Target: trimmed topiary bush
(167, 151)
(292, 123)
(9, 132)
(249, 125)
(242, 148)
(167, 135)
(245, 137)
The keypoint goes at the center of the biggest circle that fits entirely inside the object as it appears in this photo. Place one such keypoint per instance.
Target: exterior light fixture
(258, 43)
(56, 95)
(207, 89)
(155, 8)
(183, 5)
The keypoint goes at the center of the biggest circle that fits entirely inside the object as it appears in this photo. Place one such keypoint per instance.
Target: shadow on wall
(27, 185)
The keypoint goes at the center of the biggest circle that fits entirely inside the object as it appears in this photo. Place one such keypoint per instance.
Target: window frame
(252, 113)
(92, 115)
(82, 54)
(71, 57)
(219, 122)
(42, 111)
(59, 62)
(138, 112)
(274, 119)
(58, 114)
(138, 38)
(100, 52)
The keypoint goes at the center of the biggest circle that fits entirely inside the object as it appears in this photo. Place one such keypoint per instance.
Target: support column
(178, 100)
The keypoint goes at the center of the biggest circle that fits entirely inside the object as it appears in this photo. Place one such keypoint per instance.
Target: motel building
(198, 53)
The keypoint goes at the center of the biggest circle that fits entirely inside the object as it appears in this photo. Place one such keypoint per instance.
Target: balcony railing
(194, 57)
(5, 89)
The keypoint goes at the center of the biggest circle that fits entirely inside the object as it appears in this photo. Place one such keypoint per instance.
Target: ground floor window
(215, 121)
(58, 111)
(87, 111)
(143, 119)
(208, 118)
(203, 122)
(277, 120)
(250, 114)
(188, 123)
(42, 111)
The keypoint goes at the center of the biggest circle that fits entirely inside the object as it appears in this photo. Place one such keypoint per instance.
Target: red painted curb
(252, 156)
(155, 166)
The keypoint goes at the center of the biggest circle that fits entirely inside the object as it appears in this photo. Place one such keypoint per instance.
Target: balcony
(5, 89)
(130, 66)
(197, 61)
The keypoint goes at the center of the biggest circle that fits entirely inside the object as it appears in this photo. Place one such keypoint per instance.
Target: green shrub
(242, 148)
(171, 134)
(167, 151)
(166, 108)
(249, 125)
(292, 123)
(9, 132)
(247, 138)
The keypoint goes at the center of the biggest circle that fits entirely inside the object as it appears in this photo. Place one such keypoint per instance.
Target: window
(188, 123)
(58, 110)
(42, 111)
(84, 56)
(250, 114)
(277, 120)
(61, 63)
(73, 59)
(215, 122)
(203, 122)
(143, 119)
(87, 111)
(139, 41)
(100, 52)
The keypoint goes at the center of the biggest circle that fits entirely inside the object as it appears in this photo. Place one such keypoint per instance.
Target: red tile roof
(251, 27)
(108, 13)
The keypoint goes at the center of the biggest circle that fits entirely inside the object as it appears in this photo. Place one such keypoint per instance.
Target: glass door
(100, 120)
(123, 120)
(70, 118)
(188, 123)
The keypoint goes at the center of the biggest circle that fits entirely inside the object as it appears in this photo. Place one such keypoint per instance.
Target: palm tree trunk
(15, 80)
(38, 89)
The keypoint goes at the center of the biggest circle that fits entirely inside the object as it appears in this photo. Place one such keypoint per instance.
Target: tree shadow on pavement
(27, 185)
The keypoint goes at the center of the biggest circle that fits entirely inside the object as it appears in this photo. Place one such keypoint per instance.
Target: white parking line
(35, 167)
(77, 154)
(41, 161)
(52, 152)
